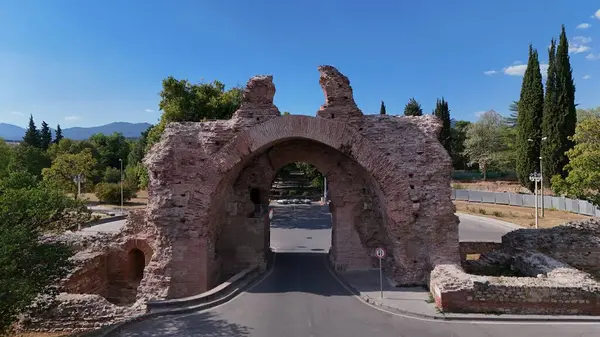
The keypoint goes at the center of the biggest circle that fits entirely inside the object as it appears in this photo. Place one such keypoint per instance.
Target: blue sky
(86, 63)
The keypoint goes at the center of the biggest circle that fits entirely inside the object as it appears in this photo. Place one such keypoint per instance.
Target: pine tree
(559, 124)
(32, 135)
(58, 134)
(511, 121)
(443, 113)
(382, 108)
(45, 136)
(413, 108)
(551, 119)
(529, 120)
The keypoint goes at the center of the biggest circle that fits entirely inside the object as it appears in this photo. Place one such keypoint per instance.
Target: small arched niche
(136, 261)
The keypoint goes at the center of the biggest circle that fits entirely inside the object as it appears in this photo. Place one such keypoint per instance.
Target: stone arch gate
(389, 176)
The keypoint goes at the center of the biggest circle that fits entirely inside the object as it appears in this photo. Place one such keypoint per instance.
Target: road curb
(457, 316)
(237, 284)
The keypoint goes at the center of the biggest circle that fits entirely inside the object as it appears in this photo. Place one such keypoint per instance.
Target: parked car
(307, 201)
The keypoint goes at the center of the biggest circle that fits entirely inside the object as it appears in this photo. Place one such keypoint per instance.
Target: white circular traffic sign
(271, 214)
(380, 253)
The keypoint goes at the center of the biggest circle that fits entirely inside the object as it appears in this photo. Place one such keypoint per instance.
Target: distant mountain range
(12, 132)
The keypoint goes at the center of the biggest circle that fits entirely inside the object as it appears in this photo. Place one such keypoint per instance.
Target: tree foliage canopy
(413, 108)
(583, 171)
(484, 141)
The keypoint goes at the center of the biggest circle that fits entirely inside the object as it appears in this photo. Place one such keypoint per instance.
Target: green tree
(561, 121)
(413, 108)
(511, 120)
(443, 113)
(45, 136)
(32, 135)
(110, 149)
(111, 192)
(382, 108)
(457, 145)
(182, 101)
(286, 113)
(66, 166)
(583, 114)
(112, 175)
(30, 266)
(58, 136)
(484, 141)
(6, 156)
(583, 170)
(531, 107)
(551, 118)
(29, 159)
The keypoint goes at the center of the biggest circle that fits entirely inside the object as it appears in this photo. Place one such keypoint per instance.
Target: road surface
(299, 297)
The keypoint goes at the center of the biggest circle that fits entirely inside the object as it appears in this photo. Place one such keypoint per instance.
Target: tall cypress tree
(32, 135)
(382, 108)
(58, 135)
(529, 120)
(551, 121)
(561, 125)
(413, 108)
(443, 113)
(45, 136)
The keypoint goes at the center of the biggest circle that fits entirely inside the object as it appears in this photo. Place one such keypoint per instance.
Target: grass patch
(430, 299)
(518, 215)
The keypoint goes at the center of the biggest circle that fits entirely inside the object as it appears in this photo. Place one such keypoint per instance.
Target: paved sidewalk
(416, 302)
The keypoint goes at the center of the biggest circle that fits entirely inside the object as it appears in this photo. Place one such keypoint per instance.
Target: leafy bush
(306, 194)
(30, 266)
(111, 193)
(112, 175)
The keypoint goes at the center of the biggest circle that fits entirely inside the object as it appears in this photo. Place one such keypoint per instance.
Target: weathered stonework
(389, 176)
(548, 283)
(103, 287)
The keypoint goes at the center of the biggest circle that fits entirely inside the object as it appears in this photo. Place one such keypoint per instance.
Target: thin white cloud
(490, 72)
(578, 49)
(593, 57)
(149, 110)
(582, 39)
(72, 118)
(586, 77)
(597, 15)
(517, 62)
(519, 70)
(584, 25)
(17, 113)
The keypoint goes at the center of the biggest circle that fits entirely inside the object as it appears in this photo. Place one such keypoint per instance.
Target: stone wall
(545, 285)
(477, 247)
(196, 173)
(575, 243)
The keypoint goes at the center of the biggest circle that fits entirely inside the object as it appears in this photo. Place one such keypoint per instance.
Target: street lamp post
(121, 162)
(541, 174)
(535, 177)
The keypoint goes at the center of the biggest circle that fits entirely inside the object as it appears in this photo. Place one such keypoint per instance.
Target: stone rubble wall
(477, 247)
(82, 303)
(550, 285)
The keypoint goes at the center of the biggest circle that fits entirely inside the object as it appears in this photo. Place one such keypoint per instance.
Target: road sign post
(380, 253)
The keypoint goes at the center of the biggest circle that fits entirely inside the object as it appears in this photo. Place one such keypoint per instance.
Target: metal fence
(527, 200)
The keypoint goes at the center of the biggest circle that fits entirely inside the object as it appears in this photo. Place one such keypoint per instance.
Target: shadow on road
(195, 324)
(301, 217)
(301, 272)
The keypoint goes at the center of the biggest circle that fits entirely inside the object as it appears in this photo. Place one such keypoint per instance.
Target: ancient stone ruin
(545, 271)
(206, 217)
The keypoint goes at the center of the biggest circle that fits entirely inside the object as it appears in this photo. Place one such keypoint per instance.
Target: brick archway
(195, 167)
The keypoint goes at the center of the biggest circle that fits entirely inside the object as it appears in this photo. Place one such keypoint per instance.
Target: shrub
(482, 211)
(112, 175)
(111, 193)
(306, 194)
(498, 214)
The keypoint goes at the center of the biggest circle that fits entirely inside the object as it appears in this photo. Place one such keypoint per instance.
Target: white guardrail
(527, 200)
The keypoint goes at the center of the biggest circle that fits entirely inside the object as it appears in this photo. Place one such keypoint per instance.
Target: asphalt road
(299, 297)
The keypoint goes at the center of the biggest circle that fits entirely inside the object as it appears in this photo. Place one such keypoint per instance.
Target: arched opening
(288, 177)
(136, 261)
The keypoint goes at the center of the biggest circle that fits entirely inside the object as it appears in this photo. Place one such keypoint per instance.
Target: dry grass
(495, 186)
(522, 216)
(473, 256)
(139, 201)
